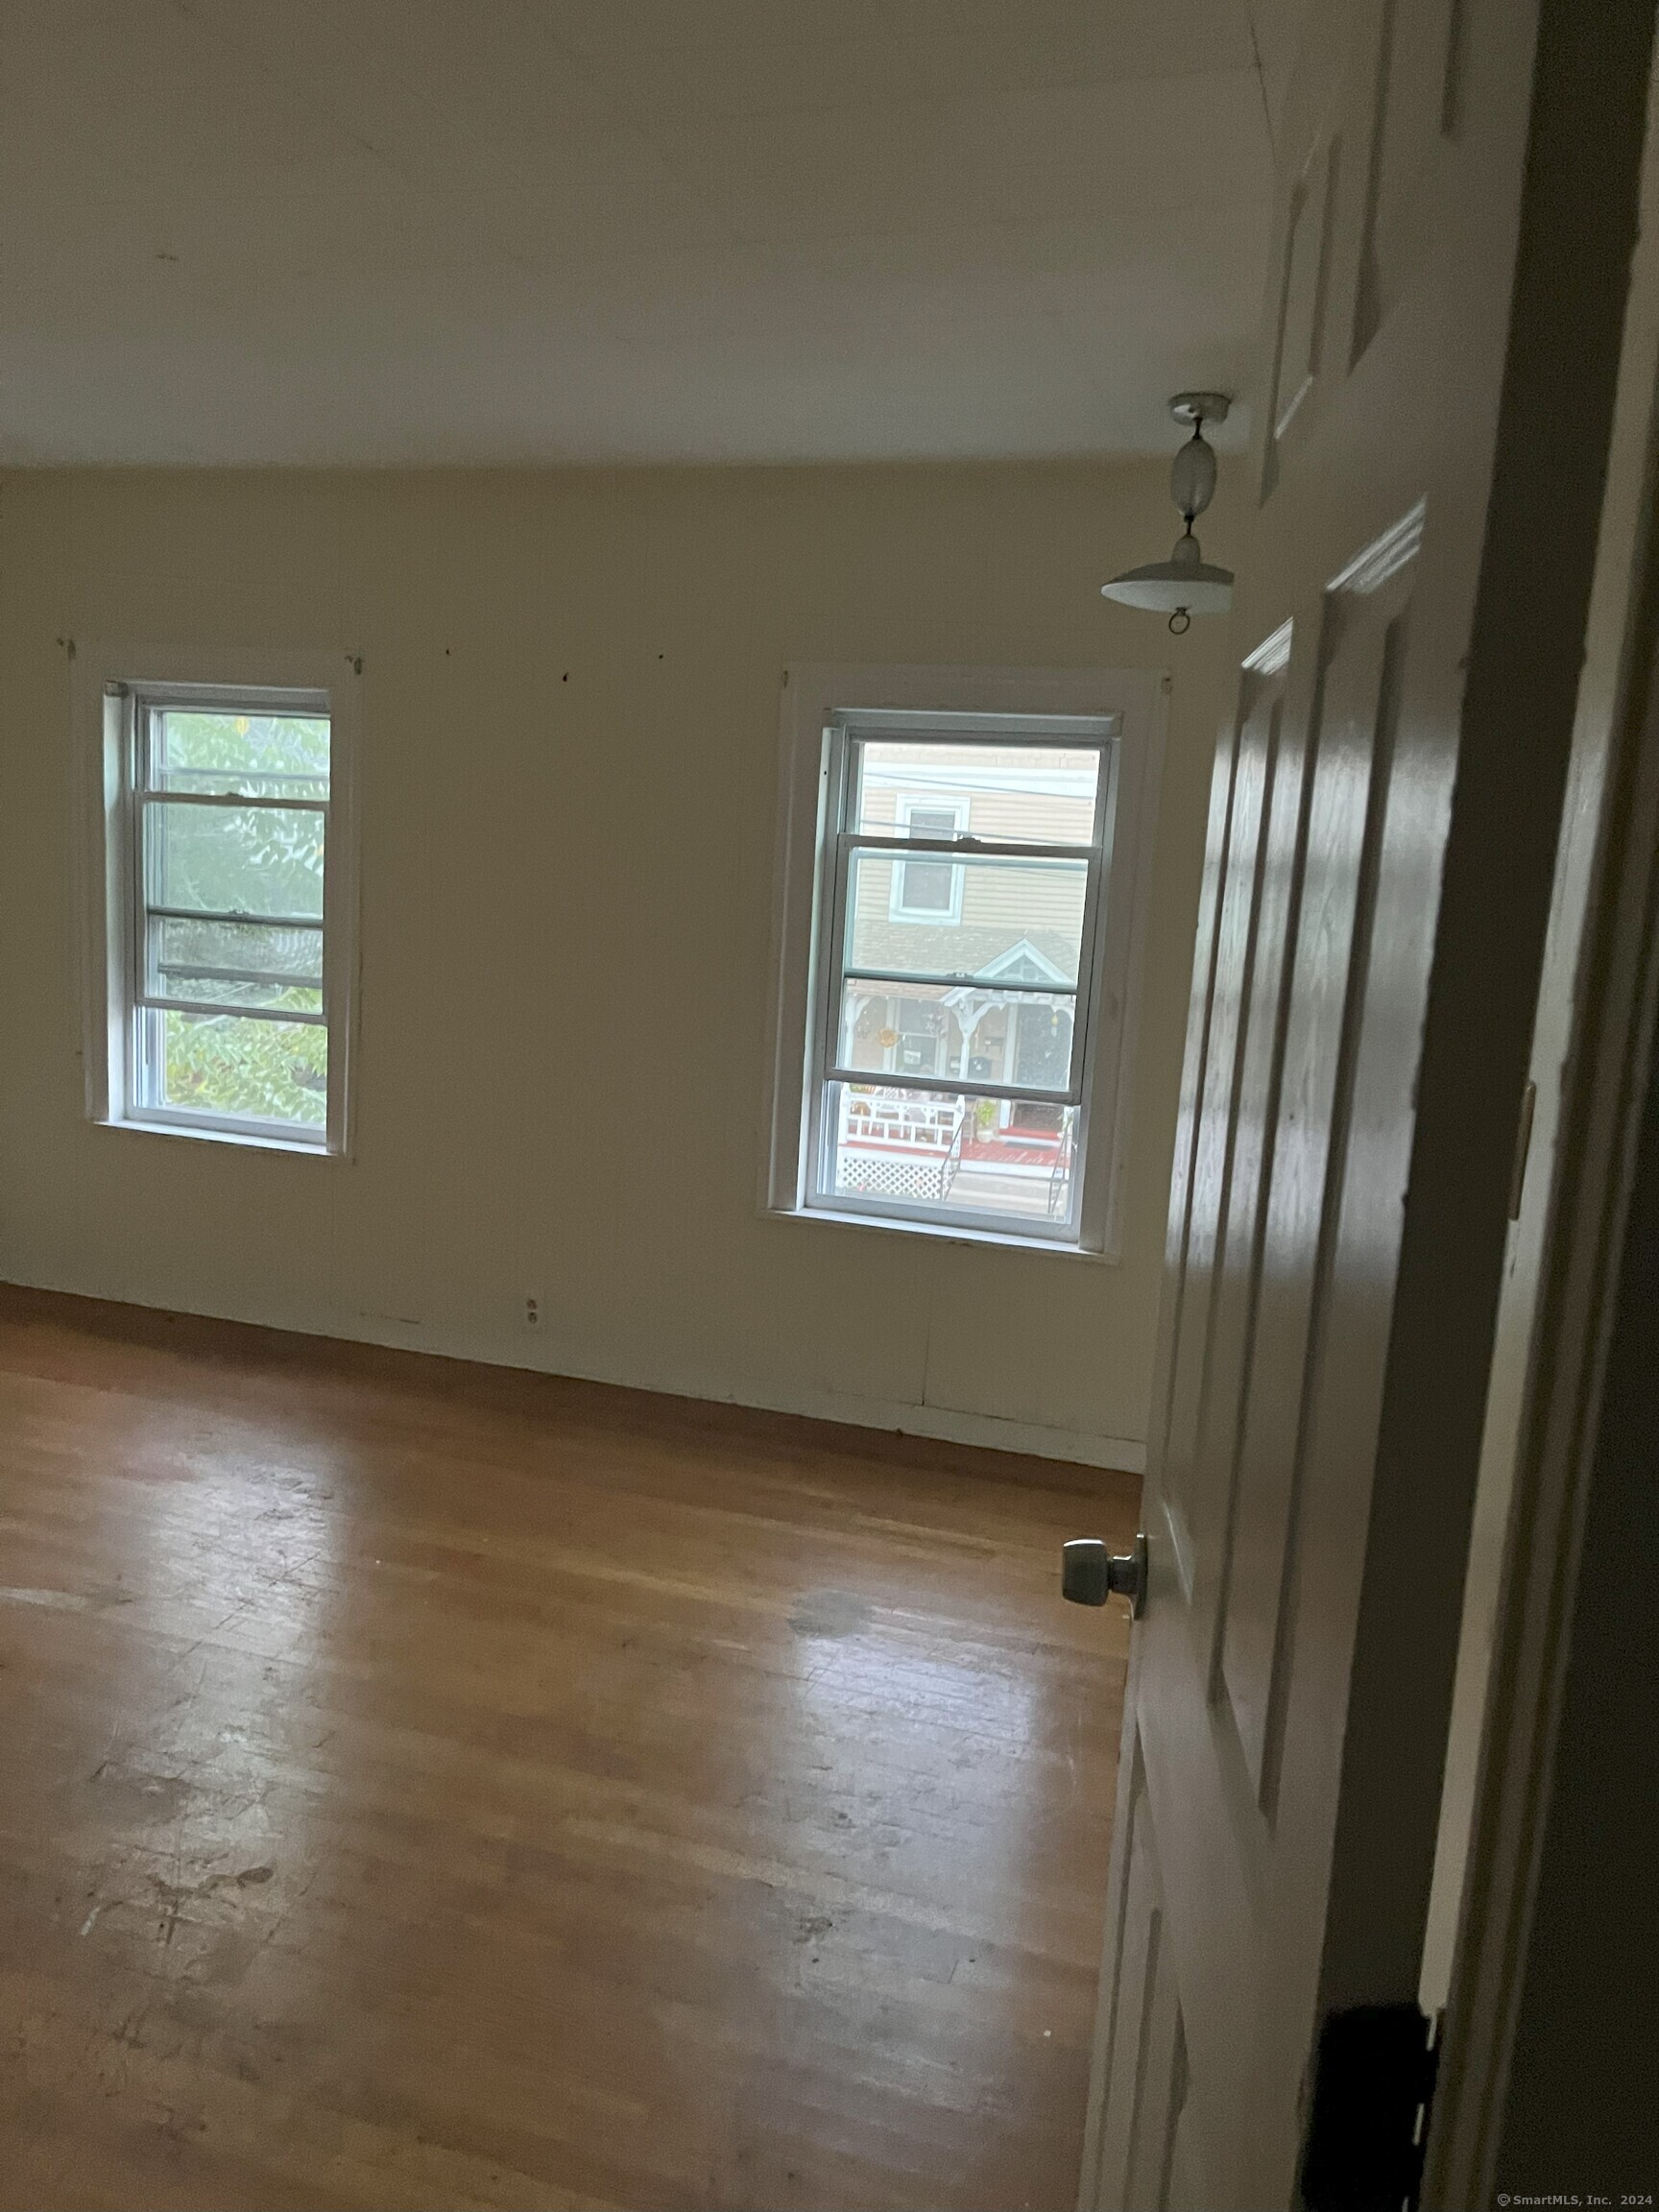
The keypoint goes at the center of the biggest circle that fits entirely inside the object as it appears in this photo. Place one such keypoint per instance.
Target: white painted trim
(101, 730)
(1274, 651)
(952, 1426)
(936, 1232)
(202, 1131)
(1592, 1057)
(1374, 564)
(812, 692)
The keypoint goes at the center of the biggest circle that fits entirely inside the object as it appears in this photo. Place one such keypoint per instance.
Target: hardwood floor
(428, 1785)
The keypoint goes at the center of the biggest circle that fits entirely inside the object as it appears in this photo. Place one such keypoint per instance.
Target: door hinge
(1373, 2092)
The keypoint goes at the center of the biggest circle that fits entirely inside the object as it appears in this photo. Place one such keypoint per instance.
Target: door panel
(1194, 1072)
(1146, 2080)
(1227, 993)
(1351, 751)
(1255, 1110)
(1260, 970)
(1256, 1881)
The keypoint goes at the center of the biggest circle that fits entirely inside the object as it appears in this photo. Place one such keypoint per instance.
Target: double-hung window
(954, 979)
(225, 959)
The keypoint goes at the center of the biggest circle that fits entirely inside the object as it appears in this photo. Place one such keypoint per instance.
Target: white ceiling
(436, 231)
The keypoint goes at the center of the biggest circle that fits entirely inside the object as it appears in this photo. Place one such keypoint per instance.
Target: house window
(226, 930)
(928, 890)
(956, 938)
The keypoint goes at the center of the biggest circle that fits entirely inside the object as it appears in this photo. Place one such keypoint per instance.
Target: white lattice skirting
(876, 1176)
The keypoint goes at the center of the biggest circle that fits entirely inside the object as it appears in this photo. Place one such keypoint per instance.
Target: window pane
(1017, 920)
(1005, 1160)
(259, 756)
(971, 1035)
(236, 964)
(1024, 794)
(257, 1071)
(235, 860)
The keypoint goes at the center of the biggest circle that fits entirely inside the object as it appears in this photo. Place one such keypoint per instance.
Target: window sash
(966, 847)
(1003, 726)
(215, 972)
(950, 1086)
(211, 1006)
(832, 971)
(1018, 1228)
(852, 973)
(235, 914)
(290, 1136)
(144, 1047)
(310, 1136)
(155, 796)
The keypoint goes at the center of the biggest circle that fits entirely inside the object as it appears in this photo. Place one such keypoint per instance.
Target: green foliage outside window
(253, 863)
(270, 1070)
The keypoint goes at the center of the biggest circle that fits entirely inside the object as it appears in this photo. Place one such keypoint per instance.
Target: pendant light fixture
(1186, 583)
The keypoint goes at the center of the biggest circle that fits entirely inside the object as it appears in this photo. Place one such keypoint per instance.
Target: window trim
(112, 684)
(805, 879)
(847, 728)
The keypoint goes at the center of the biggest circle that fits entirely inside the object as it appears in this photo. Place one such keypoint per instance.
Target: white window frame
(897, 908)
(113, 685)
(821, 703)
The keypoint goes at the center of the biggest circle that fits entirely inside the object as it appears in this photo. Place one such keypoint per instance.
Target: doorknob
(1089, 1573)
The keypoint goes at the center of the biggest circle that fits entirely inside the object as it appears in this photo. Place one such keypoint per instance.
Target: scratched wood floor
(424, 1786)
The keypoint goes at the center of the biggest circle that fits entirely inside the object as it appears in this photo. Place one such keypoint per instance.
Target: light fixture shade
(1163, 589)
(1185, 583)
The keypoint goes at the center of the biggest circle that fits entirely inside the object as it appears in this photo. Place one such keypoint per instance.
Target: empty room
(824, 1119)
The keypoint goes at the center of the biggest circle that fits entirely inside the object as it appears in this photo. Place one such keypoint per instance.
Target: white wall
(567, 791)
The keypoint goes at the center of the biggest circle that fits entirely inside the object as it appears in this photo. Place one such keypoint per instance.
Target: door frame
(1606, 1002)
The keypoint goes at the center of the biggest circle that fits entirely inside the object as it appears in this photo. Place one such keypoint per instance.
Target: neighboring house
(994, 923)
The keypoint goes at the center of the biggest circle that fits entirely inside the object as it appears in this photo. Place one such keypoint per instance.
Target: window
(224, 922)
(958, 911)
(928, 889)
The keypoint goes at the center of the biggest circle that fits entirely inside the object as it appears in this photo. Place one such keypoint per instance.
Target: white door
(1376, 887)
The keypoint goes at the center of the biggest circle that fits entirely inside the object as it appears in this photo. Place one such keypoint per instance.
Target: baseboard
(949, 1426)
(940, 1424)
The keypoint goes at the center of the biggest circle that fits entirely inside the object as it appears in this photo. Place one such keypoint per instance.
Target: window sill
(937, 1234)
(246, 1140)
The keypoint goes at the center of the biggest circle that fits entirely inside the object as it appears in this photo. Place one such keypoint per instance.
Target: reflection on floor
(433, 1786)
